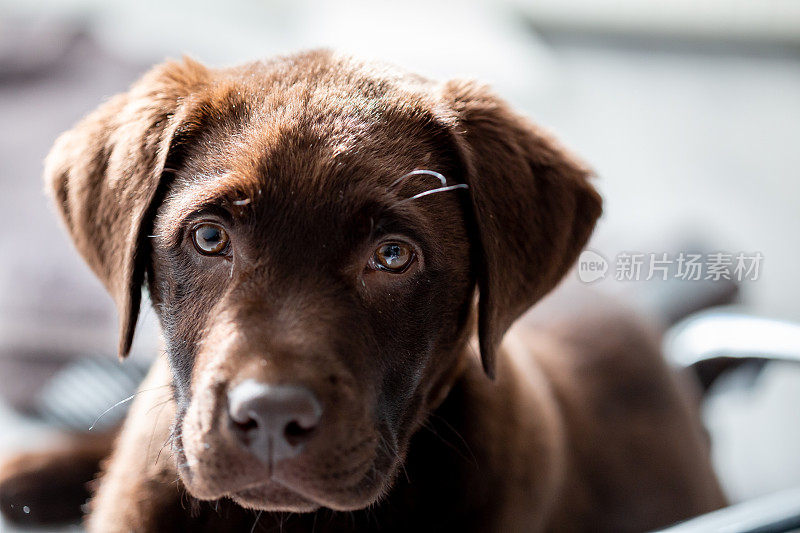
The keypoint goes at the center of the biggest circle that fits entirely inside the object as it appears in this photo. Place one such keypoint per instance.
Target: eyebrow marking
(439, 189)
(242, 202)
(421, 172)
(443, 180)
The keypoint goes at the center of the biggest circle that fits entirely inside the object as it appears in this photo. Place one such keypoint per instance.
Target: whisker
(126, 400)
(258, 517)
(428, 425)
(392, 451)
(155, 426)
(161, 403)
(421, 172)
(457, 434)
(121, 402)
(168, 441)
(434, 191)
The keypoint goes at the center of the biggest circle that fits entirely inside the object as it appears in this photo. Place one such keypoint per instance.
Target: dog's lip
(220, 491)
(296, 488)
(261, 485)
(274, 480)
(263, 496)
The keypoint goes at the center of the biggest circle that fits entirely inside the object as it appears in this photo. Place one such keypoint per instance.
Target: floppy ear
(104, 175)
(533, 206)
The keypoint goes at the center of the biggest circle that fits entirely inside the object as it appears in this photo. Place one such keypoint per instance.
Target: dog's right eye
(210, 239)
(392, 257)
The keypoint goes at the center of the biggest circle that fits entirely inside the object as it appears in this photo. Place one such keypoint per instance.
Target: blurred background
(689, 111)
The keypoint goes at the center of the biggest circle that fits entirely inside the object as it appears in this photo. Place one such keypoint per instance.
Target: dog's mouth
(305, 495)
(285, 499)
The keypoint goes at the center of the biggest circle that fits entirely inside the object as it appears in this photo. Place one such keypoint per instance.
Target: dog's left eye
(392, 257)
(209, 238)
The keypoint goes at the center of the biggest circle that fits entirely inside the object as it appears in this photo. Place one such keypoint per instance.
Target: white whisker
(434, 191)
(129, 398)
(421, 172)
(258, 517)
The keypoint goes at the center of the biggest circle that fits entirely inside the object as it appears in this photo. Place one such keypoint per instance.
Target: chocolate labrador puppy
(335, 251)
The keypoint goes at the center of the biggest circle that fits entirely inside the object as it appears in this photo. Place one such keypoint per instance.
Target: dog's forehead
(329, 137)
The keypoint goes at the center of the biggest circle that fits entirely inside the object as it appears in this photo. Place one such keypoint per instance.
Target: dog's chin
(266, 496)
(279, 496)
(291, 495)
(273, 497)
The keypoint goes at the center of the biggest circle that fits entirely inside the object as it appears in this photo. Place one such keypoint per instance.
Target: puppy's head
(312, 231)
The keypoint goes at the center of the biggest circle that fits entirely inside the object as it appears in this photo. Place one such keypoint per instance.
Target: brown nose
(273, 421)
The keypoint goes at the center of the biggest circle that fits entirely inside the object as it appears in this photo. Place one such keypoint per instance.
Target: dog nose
(273, 421)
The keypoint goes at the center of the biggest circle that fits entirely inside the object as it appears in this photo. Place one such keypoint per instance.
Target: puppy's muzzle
(272, 422)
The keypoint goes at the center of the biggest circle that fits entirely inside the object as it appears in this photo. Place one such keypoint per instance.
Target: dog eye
(210, 239)
(392, 257)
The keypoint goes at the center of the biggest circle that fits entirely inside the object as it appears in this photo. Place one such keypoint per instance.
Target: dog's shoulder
(631, 427)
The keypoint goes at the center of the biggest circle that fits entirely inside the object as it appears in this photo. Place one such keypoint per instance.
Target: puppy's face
(312, 250)
(290, 251)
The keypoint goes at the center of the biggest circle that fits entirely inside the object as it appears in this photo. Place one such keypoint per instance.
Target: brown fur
(583, 428)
